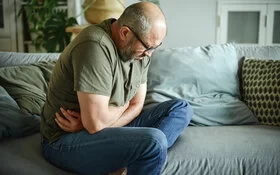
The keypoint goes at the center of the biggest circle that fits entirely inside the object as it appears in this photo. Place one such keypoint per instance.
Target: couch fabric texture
(226, 136)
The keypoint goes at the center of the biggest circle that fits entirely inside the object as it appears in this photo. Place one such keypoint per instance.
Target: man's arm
(134, 108)
(71, 123)
(96, 114)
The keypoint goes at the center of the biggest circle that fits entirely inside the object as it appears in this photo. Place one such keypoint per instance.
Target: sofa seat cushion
(199, 150)
(24, 156)
(261, 89)
(247, 149)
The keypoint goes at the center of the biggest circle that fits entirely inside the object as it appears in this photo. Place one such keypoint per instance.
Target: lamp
(98, 10)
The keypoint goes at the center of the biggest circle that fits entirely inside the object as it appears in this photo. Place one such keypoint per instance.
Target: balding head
(139, 30)
(142, 17)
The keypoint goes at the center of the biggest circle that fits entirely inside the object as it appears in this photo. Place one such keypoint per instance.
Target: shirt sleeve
(92, 69)
(145, 67)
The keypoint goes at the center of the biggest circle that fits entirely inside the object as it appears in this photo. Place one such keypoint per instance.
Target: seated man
(93, 121)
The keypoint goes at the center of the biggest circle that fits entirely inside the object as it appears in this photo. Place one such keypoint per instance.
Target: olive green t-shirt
(90, 63)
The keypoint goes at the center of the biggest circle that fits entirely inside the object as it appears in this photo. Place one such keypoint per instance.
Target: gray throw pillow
(206, 77)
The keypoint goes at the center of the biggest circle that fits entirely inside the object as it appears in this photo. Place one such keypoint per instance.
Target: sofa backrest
(205, 76)
(14, 58)
(261, 52)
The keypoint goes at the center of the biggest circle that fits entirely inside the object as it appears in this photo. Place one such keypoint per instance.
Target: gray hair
(135, 17)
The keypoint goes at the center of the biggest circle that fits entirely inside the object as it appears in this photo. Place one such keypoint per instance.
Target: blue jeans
(141, 146)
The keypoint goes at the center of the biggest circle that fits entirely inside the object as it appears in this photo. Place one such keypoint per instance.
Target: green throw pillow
(27, 84)
(261, 89)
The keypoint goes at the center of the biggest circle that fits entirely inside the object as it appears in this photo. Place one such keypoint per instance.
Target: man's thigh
(104, 151)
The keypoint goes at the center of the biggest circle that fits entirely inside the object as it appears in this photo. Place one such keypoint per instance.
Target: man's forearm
(97, 115)
(134, 108)
(128, 115)
(116, 112)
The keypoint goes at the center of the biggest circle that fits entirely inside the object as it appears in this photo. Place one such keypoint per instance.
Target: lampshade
(100, 10)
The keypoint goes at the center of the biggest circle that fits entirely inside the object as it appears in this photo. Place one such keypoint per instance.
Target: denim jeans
(141, 146)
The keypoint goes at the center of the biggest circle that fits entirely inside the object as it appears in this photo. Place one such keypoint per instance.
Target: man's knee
(184, 109)
(156, 139)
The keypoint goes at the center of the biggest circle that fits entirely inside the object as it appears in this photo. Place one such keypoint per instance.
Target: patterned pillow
(261, 89)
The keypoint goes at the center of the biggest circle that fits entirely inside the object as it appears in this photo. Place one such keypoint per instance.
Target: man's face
(135, 50)
(129, 52)
(137, 47)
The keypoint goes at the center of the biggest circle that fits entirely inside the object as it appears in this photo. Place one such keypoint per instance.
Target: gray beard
(126, 53)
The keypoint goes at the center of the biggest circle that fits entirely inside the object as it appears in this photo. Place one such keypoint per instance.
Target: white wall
(189, 22)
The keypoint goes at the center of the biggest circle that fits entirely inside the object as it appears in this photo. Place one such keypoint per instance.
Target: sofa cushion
(198, 151)
(206, 77)
(225, 150)
(22, 95)
(27, 84)
(261, 89)
(13, 121)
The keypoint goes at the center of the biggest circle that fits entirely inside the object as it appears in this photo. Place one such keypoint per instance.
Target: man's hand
(72, 121)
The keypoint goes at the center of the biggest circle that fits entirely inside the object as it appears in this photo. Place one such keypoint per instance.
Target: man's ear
(124, 32)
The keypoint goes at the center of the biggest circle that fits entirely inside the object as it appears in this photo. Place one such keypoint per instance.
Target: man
(101, 78)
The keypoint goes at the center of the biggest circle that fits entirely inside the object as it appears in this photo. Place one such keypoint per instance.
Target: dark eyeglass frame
(142, 42)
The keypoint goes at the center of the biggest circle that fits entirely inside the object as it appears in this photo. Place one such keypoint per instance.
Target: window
(249, 22)
(7, 26)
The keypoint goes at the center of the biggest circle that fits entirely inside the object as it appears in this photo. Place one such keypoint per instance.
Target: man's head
(139, 30)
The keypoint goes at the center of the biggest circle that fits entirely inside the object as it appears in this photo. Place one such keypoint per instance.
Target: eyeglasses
(142, 42)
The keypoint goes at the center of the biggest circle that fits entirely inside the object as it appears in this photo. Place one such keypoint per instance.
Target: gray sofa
(224, 137)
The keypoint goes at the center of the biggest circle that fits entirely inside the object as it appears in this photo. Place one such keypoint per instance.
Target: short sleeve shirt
(90, 63)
